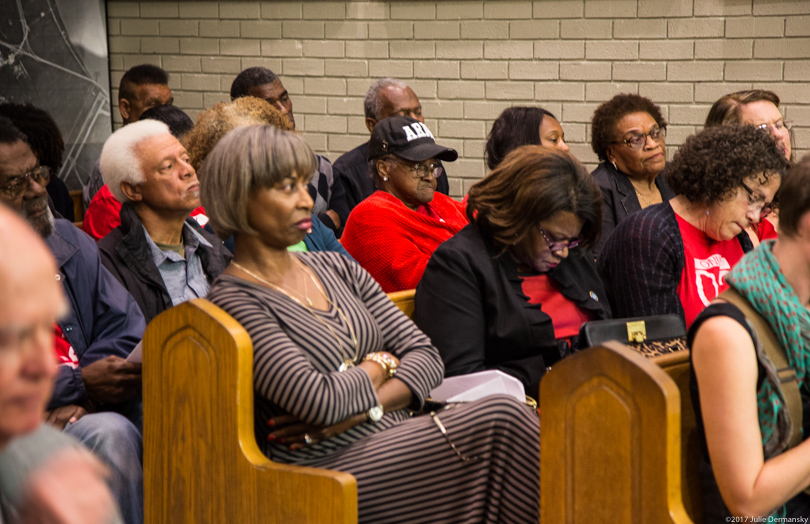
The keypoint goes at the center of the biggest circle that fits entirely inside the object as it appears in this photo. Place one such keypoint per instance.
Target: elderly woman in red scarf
(393, 232)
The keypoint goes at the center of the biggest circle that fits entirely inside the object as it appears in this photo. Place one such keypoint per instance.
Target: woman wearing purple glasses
(511, 290)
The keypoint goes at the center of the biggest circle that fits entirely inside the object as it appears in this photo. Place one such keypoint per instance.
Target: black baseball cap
(407, 138)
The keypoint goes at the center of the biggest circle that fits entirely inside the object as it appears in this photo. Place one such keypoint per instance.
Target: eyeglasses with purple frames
(556, 245)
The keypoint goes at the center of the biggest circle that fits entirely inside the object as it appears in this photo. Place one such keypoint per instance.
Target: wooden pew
(201, 460)
(612, 446)
(404, 301)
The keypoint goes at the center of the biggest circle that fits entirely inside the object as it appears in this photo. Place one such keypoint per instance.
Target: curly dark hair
(515, 127)
(251, 77)
(607, 116)
(10, 134)
(530, 185)
(712, 164)
(41, 132)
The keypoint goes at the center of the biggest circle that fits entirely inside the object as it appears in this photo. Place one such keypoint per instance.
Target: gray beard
(43, 225)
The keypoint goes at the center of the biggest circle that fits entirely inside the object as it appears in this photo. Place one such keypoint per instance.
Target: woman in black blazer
(510, 290)
(629, 137)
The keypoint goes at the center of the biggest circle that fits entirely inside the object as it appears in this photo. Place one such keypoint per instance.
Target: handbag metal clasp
(637, 331)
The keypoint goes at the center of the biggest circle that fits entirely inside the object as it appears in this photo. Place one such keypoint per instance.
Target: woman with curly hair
(214, 123)
(672, 257)
(759, 108)
(218, 121)
(756, 458)
(628, 134)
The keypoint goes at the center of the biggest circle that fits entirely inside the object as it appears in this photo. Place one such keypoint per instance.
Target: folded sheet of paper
(468, 388)
(136, 355)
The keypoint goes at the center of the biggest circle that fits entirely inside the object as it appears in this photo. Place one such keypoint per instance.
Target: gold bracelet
(386, 360)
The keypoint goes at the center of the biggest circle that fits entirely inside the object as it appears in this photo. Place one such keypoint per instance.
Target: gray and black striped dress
(406, 470)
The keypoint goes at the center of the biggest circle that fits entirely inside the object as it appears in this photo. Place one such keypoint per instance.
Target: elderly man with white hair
(159, 253)
(386, 97)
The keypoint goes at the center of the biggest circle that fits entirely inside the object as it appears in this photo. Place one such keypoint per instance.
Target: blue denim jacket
(103, 318)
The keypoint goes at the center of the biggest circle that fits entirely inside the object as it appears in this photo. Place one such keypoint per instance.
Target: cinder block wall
(469, 60)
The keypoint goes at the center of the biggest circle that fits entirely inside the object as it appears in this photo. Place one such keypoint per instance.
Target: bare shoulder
(722, 350)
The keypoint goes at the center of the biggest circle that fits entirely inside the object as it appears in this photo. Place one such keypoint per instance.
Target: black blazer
(471, 304)
(619, 199)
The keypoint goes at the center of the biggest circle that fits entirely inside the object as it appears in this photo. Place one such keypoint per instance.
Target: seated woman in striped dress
(338, 369)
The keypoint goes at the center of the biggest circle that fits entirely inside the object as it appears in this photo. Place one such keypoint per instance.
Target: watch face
(375, 413)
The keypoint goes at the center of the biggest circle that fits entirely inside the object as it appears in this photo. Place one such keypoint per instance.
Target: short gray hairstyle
(119, 160)
(372, 104)
(247, 158)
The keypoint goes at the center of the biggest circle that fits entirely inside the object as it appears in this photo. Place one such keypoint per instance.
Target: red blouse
(565, 315)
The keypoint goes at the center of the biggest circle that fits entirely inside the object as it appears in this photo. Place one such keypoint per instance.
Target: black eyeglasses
(19, 184)
(556, 245)
(755, 201)
(637, 140)
(420, 170)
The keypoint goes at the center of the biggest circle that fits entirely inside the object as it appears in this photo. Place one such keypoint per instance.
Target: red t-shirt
(765, 230)
(706, 262)
(565, 315)
(65, 356)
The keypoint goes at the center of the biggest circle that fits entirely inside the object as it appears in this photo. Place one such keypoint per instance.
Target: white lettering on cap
(409, 134)
(416, 130)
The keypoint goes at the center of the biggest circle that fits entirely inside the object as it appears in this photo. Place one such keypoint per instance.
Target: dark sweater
(642, 261)
(470, 302)
(619, 197)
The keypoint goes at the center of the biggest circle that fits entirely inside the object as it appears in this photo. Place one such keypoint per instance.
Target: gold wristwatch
(386, 360)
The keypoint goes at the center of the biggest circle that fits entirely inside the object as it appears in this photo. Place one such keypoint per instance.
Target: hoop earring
(614, 165)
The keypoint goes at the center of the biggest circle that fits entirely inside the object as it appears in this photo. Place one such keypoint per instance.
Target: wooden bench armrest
(610, 447)
(201, 459)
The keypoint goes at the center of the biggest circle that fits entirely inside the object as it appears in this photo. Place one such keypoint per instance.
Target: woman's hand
(289, 430)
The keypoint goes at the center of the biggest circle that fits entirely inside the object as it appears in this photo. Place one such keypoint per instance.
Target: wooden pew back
(404, 301)
(610, 447)
(201, 460)
(677, 366)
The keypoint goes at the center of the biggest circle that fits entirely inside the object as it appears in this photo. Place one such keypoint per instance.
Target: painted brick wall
(468, 60)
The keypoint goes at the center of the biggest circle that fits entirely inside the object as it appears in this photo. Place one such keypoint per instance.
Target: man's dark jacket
(125, 252)
(102, 320)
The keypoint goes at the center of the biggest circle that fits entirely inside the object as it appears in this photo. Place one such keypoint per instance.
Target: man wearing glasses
(96, 391)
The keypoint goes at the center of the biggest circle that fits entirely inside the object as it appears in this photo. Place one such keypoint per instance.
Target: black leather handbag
(654, 335)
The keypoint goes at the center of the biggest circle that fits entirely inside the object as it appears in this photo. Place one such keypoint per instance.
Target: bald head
(391, 99)
(31, 299)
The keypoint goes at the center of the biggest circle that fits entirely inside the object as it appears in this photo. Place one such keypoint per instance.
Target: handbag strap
(787, 377)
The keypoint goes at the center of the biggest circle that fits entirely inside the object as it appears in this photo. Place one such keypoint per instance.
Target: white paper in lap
(469, 388)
